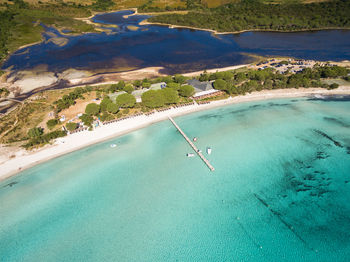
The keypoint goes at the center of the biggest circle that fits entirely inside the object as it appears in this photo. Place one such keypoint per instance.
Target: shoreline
(145, 22)
(62, 146)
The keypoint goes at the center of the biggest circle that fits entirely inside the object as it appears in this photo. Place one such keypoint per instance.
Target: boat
(208, 150)
(194, 139)
(113, 145)
(190, 155)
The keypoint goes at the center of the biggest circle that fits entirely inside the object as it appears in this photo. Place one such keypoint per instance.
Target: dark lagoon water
(177, 50)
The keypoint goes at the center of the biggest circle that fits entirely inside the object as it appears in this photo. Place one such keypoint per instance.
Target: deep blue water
(280, 191)
(178, 50)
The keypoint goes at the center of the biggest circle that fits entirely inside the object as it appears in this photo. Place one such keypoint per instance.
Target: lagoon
(131, 46)
(280, 191)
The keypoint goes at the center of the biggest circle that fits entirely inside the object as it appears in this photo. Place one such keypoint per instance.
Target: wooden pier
(206, 161)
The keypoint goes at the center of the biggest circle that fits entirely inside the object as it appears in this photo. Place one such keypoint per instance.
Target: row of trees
(243, 82)
(251, 14)
(37, 136)
(68, 100)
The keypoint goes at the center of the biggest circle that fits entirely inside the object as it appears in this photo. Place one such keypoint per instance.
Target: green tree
(146, 84)
(153, 98)
(186, 91)
(104, 103)
(51, 123)
(120, 85)
(220, 84)
(92, 109)
(137, 83)
(170, 96)
(112, 108)
(173, 85)
(179, 79)
(87, 119)
(71, 126)
(35, 132)
(128, 89)
(125, 100)
(333, 86)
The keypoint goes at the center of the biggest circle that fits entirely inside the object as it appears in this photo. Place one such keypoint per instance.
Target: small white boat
(113, 145)
(194, 139)
(208, 150)
(190, 155)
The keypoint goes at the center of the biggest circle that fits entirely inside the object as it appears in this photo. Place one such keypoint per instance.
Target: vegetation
(104, 103)
(125, 100)
(4, 92)
(153, 98)
(71, 126)
(170, 96)
(253, 14)
(44, 138)
(35, 132)
(112, 108)
(51, 123)
(245, 82)
(87, 119)
(92, 109)
(68, 100)
(20, 22)
(186, 90)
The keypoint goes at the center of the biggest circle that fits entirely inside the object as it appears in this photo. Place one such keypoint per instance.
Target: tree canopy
(170, 96)
(104, 103)
(220, 84)
(247, 15)
(87, 119)
(71, 126)
(35, 132)
(186, 90)
(153, 98)
(112, 108)
(125, 100)
(51, 123)
(92, 109)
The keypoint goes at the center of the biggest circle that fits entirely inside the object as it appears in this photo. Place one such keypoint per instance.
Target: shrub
(71, 126)
(186, 91)
(35, 132)
(51, 123)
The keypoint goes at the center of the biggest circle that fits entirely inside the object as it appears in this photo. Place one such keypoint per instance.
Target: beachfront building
(158, 86)
(138, 93)
(203, 89)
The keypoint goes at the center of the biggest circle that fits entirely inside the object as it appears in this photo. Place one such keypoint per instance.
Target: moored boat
(208, 150)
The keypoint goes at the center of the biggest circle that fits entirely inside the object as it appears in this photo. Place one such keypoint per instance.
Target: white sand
(23, 160)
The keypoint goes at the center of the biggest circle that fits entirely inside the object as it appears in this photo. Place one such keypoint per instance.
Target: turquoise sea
(280, 191)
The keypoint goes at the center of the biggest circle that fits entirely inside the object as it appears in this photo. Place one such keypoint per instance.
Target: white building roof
(206, 92)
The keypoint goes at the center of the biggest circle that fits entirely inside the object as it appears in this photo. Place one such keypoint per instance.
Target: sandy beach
(15, 160)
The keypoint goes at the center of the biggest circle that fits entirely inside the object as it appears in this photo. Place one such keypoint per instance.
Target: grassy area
(28, 115)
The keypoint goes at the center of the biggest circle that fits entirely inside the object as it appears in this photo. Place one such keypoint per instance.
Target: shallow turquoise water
(280, 191)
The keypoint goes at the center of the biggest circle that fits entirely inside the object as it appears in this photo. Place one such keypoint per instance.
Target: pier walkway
(206, 161)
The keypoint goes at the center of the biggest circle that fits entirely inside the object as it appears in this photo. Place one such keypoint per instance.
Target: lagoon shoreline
(20, 160)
